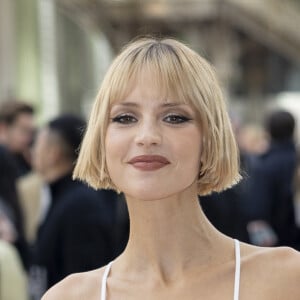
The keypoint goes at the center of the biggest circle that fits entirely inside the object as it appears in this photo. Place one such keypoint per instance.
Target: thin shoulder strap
(104, 280)
(237, 269)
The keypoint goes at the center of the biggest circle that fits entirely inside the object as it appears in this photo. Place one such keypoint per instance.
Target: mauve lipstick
(149, 162)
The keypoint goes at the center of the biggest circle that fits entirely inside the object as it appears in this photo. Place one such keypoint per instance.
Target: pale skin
(173, 251)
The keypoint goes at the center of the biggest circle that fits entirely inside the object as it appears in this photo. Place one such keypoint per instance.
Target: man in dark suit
(77, 232)
(270, 206)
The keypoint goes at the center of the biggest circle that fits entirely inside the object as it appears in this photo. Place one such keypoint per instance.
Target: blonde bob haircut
(177, 69)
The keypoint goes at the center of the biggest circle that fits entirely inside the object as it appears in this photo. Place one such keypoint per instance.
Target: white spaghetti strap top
(104, 280)
(237, 269)
(236, 277)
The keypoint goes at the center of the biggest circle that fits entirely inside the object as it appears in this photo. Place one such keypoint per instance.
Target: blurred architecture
(48, 58)
(255, 45)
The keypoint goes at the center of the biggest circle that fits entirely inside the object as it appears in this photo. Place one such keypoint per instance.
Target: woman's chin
(148, 194)
(151, 190)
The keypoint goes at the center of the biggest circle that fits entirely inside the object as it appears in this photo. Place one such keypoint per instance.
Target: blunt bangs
(158, 62)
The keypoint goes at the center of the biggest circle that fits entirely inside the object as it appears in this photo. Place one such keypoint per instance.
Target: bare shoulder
(276, 271)
(286, 263)
(79, 286)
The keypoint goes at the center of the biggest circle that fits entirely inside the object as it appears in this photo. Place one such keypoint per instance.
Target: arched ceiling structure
(273, 23)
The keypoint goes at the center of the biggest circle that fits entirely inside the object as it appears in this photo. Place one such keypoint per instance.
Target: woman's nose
(148, 134)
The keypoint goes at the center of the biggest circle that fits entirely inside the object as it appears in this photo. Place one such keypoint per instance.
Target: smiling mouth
(149, 162)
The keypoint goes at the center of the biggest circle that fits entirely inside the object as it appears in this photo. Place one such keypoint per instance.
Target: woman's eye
(176, 119)
(124, 119)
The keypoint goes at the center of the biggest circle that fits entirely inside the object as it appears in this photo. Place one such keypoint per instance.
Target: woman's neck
(169, 235)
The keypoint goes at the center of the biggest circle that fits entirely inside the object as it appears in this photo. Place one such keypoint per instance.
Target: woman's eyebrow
(172, 104)
(130, 104)
(135, 104)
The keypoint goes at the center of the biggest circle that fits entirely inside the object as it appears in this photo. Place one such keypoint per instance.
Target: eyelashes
(124, 119)
(174, 119)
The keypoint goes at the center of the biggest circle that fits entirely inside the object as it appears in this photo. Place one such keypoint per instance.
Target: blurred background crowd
(53, 55)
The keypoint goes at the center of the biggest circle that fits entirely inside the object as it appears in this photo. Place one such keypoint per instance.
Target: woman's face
(153, 145)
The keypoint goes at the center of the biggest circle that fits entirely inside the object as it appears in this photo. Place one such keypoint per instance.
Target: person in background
(16, 136)
(11, 215)
(76, 233)
(270, 199)
(16, 132)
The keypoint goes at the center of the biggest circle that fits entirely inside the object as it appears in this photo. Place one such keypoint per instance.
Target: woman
(159, 132)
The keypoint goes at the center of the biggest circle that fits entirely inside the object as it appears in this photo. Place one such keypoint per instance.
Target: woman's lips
(149, 162)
